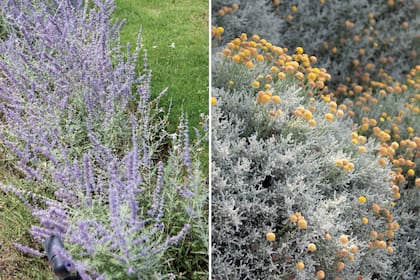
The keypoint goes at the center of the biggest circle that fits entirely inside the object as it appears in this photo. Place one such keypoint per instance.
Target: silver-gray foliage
(264, 169)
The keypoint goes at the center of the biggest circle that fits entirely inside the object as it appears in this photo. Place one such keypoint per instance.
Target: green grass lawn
(175, 34)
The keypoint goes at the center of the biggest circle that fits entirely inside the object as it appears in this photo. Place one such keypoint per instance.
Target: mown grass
(175, 35)
(182, 67)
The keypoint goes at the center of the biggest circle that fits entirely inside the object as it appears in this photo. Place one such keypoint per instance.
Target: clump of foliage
(80, 121)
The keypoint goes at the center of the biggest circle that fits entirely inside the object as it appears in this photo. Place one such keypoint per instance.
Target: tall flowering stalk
(80, 119)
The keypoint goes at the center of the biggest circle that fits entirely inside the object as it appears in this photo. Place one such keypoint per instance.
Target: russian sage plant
(79, 119)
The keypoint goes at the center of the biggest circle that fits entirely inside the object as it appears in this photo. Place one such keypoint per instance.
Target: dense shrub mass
(315, 151)
(80, 121)
(352, 39)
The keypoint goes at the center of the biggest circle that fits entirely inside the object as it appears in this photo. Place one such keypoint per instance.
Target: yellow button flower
(281, 75)
(307, 115)
(265, 98)
(344, 239)
(311, 247)
(340, 266)
(300, 265)
(410, 172)
(354, 249)
(270, 236)
(376, 208)
(255, 38)
(276, 99)
(236, 58)
(255, 84)
(312, 122)
(250, 65)
(329, 117)
(320, 274)
(260, 58)
(302, 224)
(328, 237)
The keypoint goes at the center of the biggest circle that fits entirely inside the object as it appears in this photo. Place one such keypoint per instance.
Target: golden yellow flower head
(344, 239)
(362, 199)
(299, 50)
(302, 224)
(311, 247)
(365, 220)
(270, 236)
(320, 274)
(300, 265)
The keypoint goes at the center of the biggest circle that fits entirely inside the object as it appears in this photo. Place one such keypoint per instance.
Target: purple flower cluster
(70, 117)
(121, 221)
(64, 75)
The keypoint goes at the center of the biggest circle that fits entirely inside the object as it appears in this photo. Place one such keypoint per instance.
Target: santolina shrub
(79, 120)
(371, 50)
(298, 191)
